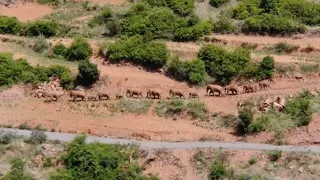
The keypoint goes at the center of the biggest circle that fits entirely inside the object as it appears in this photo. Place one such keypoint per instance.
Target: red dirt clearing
(25, 11)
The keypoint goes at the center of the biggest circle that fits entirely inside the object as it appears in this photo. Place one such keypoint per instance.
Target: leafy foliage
(37, 137)
(222, 64)
(41, 28)
(245, 118)
(224, 25)
(9, 25)
(80, 49)
(88, 73)
(60, 50)
(17, 171)
(6, 137)
(193, 71)
(102, 18)
(266, 68)
(275, 155)
(99, 161)
(218, 3)
(40, 45)
(152, 55)
(218, 170)
(300, 110)
(64, 73)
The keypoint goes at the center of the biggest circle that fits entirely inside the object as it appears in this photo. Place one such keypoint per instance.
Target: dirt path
(66, 137)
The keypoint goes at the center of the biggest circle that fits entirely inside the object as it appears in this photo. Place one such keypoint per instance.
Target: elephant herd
(211, 90)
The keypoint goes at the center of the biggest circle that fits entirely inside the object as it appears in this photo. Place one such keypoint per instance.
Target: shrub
(134, 106)
(24, 126)
(266, 68)
(6, 137)
(193, 71)
(272, 25)
(170, 108)
(285, 47)
(309, 68)
(245, 118)
(217, 3)
(218, 170)
(98, 161)
(260, 124)
(9, 25)
(224, 25)
(152, 55)
(47, 162)
(17, 171)
(40, 45)
(37, 137)
(40, 128)
(88, 73)
(300, 109)
(64, 73)
(41, 28)
(197, 110)
(192, 33)
(253, 160)
(60, 50)
(222, 64)
(275, 155)
(80, 49)
(104, 17)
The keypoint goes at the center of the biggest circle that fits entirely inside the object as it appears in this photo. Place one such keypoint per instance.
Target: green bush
(64, 73)
(197, 110)
(88, 73)
(224, 65)
(266, 68)
(245, 119)
(300, 109)
(194, 72)
(99, 161)
(253, 160)
(80, 49)
(102, 18)
(9, 25)
(274, 155)
(272, 25)
(192, 33)
(47, 162)
(55, 2)
(218, 3)
(224, 25)
(60, 50)
(170, 108)
(152, 55)
(218, 170)
(260, 124)
(181, 7)
(41, 45)
(37, 137)
(284, 47)
(17, 171)
(41, 28)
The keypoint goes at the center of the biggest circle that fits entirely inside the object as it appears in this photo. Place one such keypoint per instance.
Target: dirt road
(175, 145)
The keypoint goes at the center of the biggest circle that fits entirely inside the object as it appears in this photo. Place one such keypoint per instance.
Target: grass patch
(274, 155)
(176, 107)
(285, 68)
(309, 68)
(283, 47)
(137, 106)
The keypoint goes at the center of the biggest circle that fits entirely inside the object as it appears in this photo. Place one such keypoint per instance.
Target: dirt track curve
(175, 145)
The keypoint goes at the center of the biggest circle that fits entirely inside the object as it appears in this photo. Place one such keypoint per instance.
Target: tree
(80, 49)
(266, 68)
(88, 73)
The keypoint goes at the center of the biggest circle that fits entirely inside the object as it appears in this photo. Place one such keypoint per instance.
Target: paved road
(176, 145)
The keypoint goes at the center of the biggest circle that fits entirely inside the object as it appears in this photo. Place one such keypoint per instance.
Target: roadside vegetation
(298, 112)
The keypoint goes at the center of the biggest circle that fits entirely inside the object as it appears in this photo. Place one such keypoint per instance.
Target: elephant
(251, 87)
(53, 95)
(102, 95)
(119, 95)
(134, 91)
(233, 88)
(264, 84)
(176, 93)
(78, 94)
(155, 93)
(193, 95)
(215, 88)
(92, 97)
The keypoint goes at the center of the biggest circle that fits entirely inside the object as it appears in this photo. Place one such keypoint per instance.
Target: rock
(291, 167)
(301, 169)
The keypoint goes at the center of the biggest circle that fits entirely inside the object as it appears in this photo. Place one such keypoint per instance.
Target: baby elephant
(52, 95)
(176, 93)
(154, 93)
(102, 95)
(78, 94)
(193, 95)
